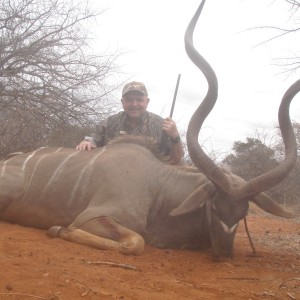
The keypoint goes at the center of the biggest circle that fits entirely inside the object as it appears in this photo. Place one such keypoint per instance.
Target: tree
(48, 74)
(295, 4)
(279, 147)
(253, 157)
(288, 190)
(291, 64)
(250, 158)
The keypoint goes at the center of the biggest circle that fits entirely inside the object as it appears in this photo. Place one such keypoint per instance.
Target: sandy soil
(34, 266)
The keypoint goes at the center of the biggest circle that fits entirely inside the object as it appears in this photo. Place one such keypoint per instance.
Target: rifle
(164, 136)
(175, 95)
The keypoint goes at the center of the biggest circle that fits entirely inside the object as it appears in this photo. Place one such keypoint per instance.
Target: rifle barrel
(175, 95)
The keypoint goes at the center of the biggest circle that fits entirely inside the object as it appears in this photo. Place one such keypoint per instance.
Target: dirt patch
(34, 266)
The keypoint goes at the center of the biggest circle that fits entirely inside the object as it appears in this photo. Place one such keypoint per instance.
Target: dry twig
(28, 295)
(249, 237)
(291, 279)
(239, 278)
(112, 264)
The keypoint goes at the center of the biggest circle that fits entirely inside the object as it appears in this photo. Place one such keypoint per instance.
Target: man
(136, 120)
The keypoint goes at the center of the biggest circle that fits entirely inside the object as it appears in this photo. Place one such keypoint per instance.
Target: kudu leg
(102, 233)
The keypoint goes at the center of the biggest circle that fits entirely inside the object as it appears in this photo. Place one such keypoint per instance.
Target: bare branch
(47, 70)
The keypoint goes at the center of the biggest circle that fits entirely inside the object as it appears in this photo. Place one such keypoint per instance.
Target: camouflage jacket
(150, 125)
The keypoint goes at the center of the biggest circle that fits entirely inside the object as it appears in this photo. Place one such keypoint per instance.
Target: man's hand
(169, 126)
(85, 145)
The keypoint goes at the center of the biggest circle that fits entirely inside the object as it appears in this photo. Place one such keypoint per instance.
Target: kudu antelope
(121, 196)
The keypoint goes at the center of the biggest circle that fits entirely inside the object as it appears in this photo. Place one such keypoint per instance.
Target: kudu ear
(195, 200)
(266, 203)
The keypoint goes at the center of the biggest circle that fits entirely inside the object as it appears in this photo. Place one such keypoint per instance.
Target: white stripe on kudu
(36, 166)
(91, 163)
(227, 229)
(59, 170)
(29, 157)
(24, 164)
(3, 169)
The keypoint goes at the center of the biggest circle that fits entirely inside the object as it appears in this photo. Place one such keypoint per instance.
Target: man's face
(135, 104)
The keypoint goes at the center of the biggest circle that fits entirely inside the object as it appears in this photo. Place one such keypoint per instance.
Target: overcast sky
(250, 83)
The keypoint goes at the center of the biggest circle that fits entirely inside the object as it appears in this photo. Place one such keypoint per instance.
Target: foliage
(48, 75)
(250, 158)
(253, 158)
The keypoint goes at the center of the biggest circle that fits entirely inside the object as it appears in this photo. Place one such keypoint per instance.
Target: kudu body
(119, 196)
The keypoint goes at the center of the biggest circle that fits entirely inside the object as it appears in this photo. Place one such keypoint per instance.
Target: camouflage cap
(135, 86)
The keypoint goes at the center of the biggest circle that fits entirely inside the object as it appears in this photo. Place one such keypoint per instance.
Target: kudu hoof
(54, 231)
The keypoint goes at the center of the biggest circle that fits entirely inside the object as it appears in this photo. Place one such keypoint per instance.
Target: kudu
(119, 196)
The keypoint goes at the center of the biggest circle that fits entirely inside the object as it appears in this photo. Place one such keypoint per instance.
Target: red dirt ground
(34, 266)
